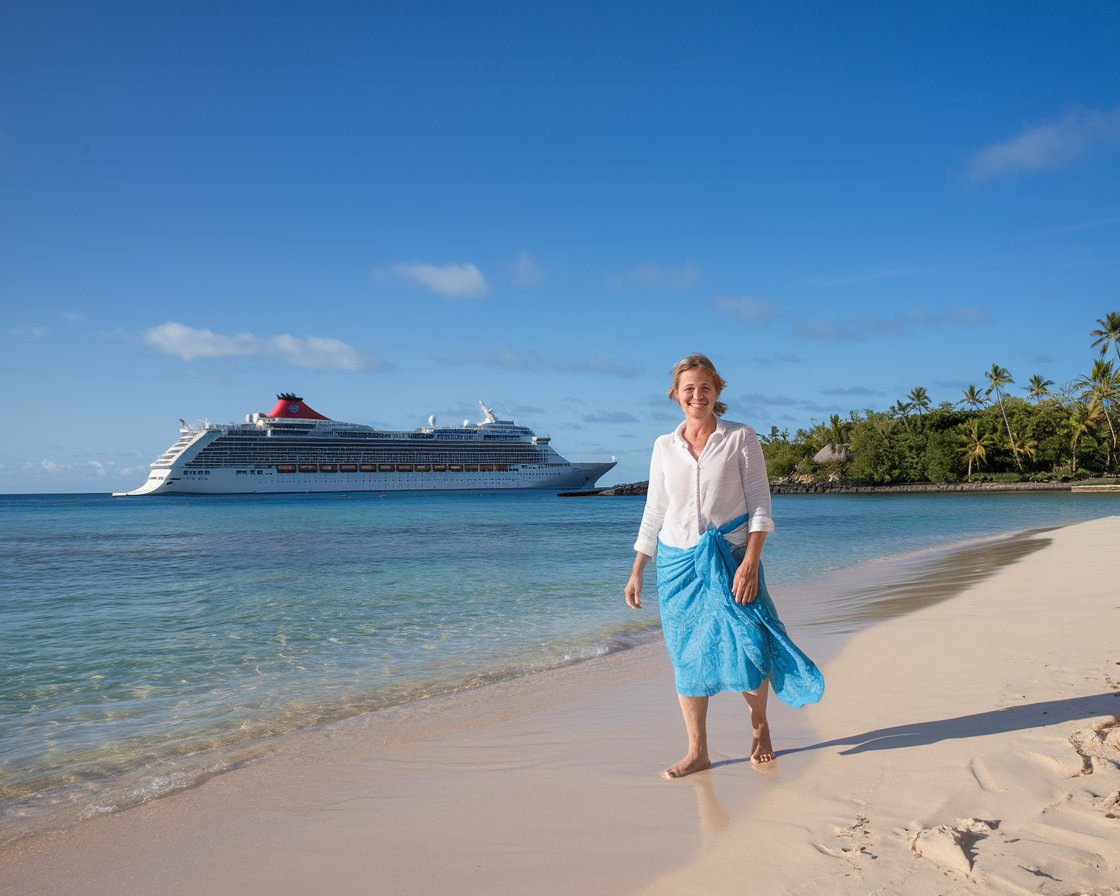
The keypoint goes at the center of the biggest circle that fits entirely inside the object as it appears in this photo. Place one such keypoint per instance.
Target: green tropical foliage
(1038, 388)
(973, 398)
(919, 399)
(1108, 333)
(998, 377)
(1102, 387)
(1071, 431)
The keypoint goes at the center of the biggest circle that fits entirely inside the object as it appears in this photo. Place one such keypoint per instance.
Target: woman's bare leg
(695, 712)
(762, 750)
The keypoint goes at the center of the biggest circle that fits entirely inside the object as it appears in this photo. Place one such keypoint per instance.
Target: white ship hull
(268, 481)
(292, 451)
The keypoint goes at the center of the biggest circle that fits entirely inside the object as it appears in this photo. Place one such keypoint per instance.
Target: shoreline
(512, 782)
(631, 489)
(988, 760)
(829, 608)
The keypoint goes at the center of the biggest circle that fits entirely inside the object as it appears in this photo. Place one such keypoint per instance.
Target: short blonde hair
(698, 362)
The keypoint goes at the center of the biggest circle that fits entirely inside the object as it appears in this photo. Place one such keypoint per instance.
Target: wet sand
(970, 747)
(935, 724)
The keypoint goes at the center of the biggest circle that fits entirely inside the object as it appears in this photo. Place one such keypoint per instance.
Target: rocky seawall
(818, 488)
(789, 487)
(625, 488)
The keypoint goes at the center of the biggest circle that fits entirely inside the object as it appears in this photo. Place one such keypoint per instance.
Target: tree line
(998, 430)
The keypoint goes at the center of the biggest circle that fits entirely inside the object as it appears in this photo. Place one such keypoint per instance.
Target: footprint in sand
(952, 847)
(1111, 805)
(1098, 745)
(1000, 772)
(858, 830)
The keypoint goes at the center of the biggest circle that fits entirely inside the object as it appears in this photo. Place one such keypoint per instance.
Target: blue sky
(398, 209)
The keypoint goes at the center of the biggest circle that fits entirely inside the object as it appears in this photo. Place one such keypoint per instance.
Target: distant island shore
(793, 487)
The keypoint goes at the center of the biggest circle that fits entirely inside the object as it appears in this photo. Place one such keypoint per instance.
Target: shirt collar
(678, 433)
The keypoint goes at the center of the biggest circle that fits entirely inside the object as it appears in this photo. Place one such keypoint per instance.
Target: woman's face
(697, 394)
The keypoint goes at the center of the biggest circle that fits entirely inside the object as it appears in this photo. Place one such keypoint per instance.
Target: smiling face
(697, 394)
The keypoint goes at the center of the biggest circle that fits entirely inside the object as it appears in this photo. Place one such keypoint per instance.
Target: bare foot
(762, 751)
(686, 766)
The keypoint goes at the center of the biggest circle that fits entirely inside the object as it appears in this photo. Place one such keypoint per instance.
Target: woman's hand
(744, 587)
(634, 586)
(634, 591)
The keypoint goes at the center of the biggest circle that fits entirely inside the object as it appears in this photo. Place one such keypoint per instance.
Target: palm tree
(919, 398)
(831, 439)
(1038, 388)
(1028, 447)
(838, 431)
(882, 423)
(998, 377)
(816, 437)
(1102, 386)
(901, 410)
(974, 444)
(972, 398)
(1108, 332)
(1083, 421)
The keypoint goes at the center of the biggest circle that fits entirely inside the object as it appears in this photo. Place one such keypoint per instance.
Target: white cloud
(1048, 145)
(456, 281)
(781, 358)
(826, 331)
(611, 417)
(1081, 226)
(658, 277)
(869, 276)
(315, 352)
(920, 317)
(747, 309)
(858, 391)
(758, 398)
(968, 317)
(896, 324)
(30, 332)
(513, 359)
(81, 471)
(867, 325)
(604, 366)
(526, 271)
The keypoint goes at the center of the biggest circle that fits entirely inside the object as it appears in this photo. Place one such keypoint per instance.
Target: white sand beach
(971, 746)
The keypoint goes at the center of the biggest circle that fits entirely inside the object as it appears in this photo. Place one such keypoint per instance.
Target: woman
(707, 515)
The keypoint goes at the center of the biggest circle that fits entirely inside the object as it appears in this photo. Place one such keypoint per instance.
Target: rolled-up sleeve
(756, 484)
(657, 502)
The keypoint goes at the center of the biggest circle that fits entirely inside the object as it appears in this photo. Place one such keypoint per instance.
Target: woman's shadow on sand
(996, 721)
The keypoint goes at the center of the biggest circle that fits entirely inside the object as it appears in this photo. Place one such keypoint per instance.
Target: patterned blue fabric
(717, 644)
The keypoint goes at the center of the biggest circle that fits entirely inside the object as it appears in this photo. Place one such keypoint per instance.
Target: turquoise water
(140, 638)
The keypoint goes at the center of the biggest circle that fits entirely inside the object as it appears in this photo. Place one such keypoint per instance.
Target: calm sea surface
(141, 638)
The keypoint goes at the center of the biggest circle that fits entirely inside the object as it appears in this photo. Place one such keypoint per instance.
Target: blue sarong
(717, 644)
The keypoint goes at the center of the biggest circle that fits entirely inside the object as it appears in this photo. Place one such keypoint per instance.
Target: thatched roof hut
(832, 454)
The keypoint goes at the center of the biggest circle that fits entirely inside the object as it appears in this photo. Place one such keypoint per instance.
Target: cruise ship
(295, 449)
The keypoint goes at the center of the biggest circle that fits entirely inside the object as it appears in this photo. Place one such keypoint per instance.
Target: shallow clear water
(136, 633)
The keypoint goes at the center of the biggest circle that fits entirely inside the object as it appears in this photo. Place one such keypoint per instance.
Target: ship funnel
(291, 406)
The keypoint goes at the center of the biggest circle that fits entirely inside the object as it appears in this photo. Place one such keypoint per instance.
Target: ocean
(147, 644)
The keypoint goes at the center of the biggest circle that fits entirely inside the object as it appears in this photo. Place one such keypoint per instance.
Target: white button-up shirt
(688, 496)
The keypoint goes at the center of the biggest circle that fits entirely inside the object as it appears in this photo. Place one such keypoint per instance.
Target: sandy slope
(971, 747)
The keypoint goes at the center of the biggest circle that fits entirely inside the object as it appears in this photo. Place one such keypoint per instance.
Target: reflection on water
(850, 602)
